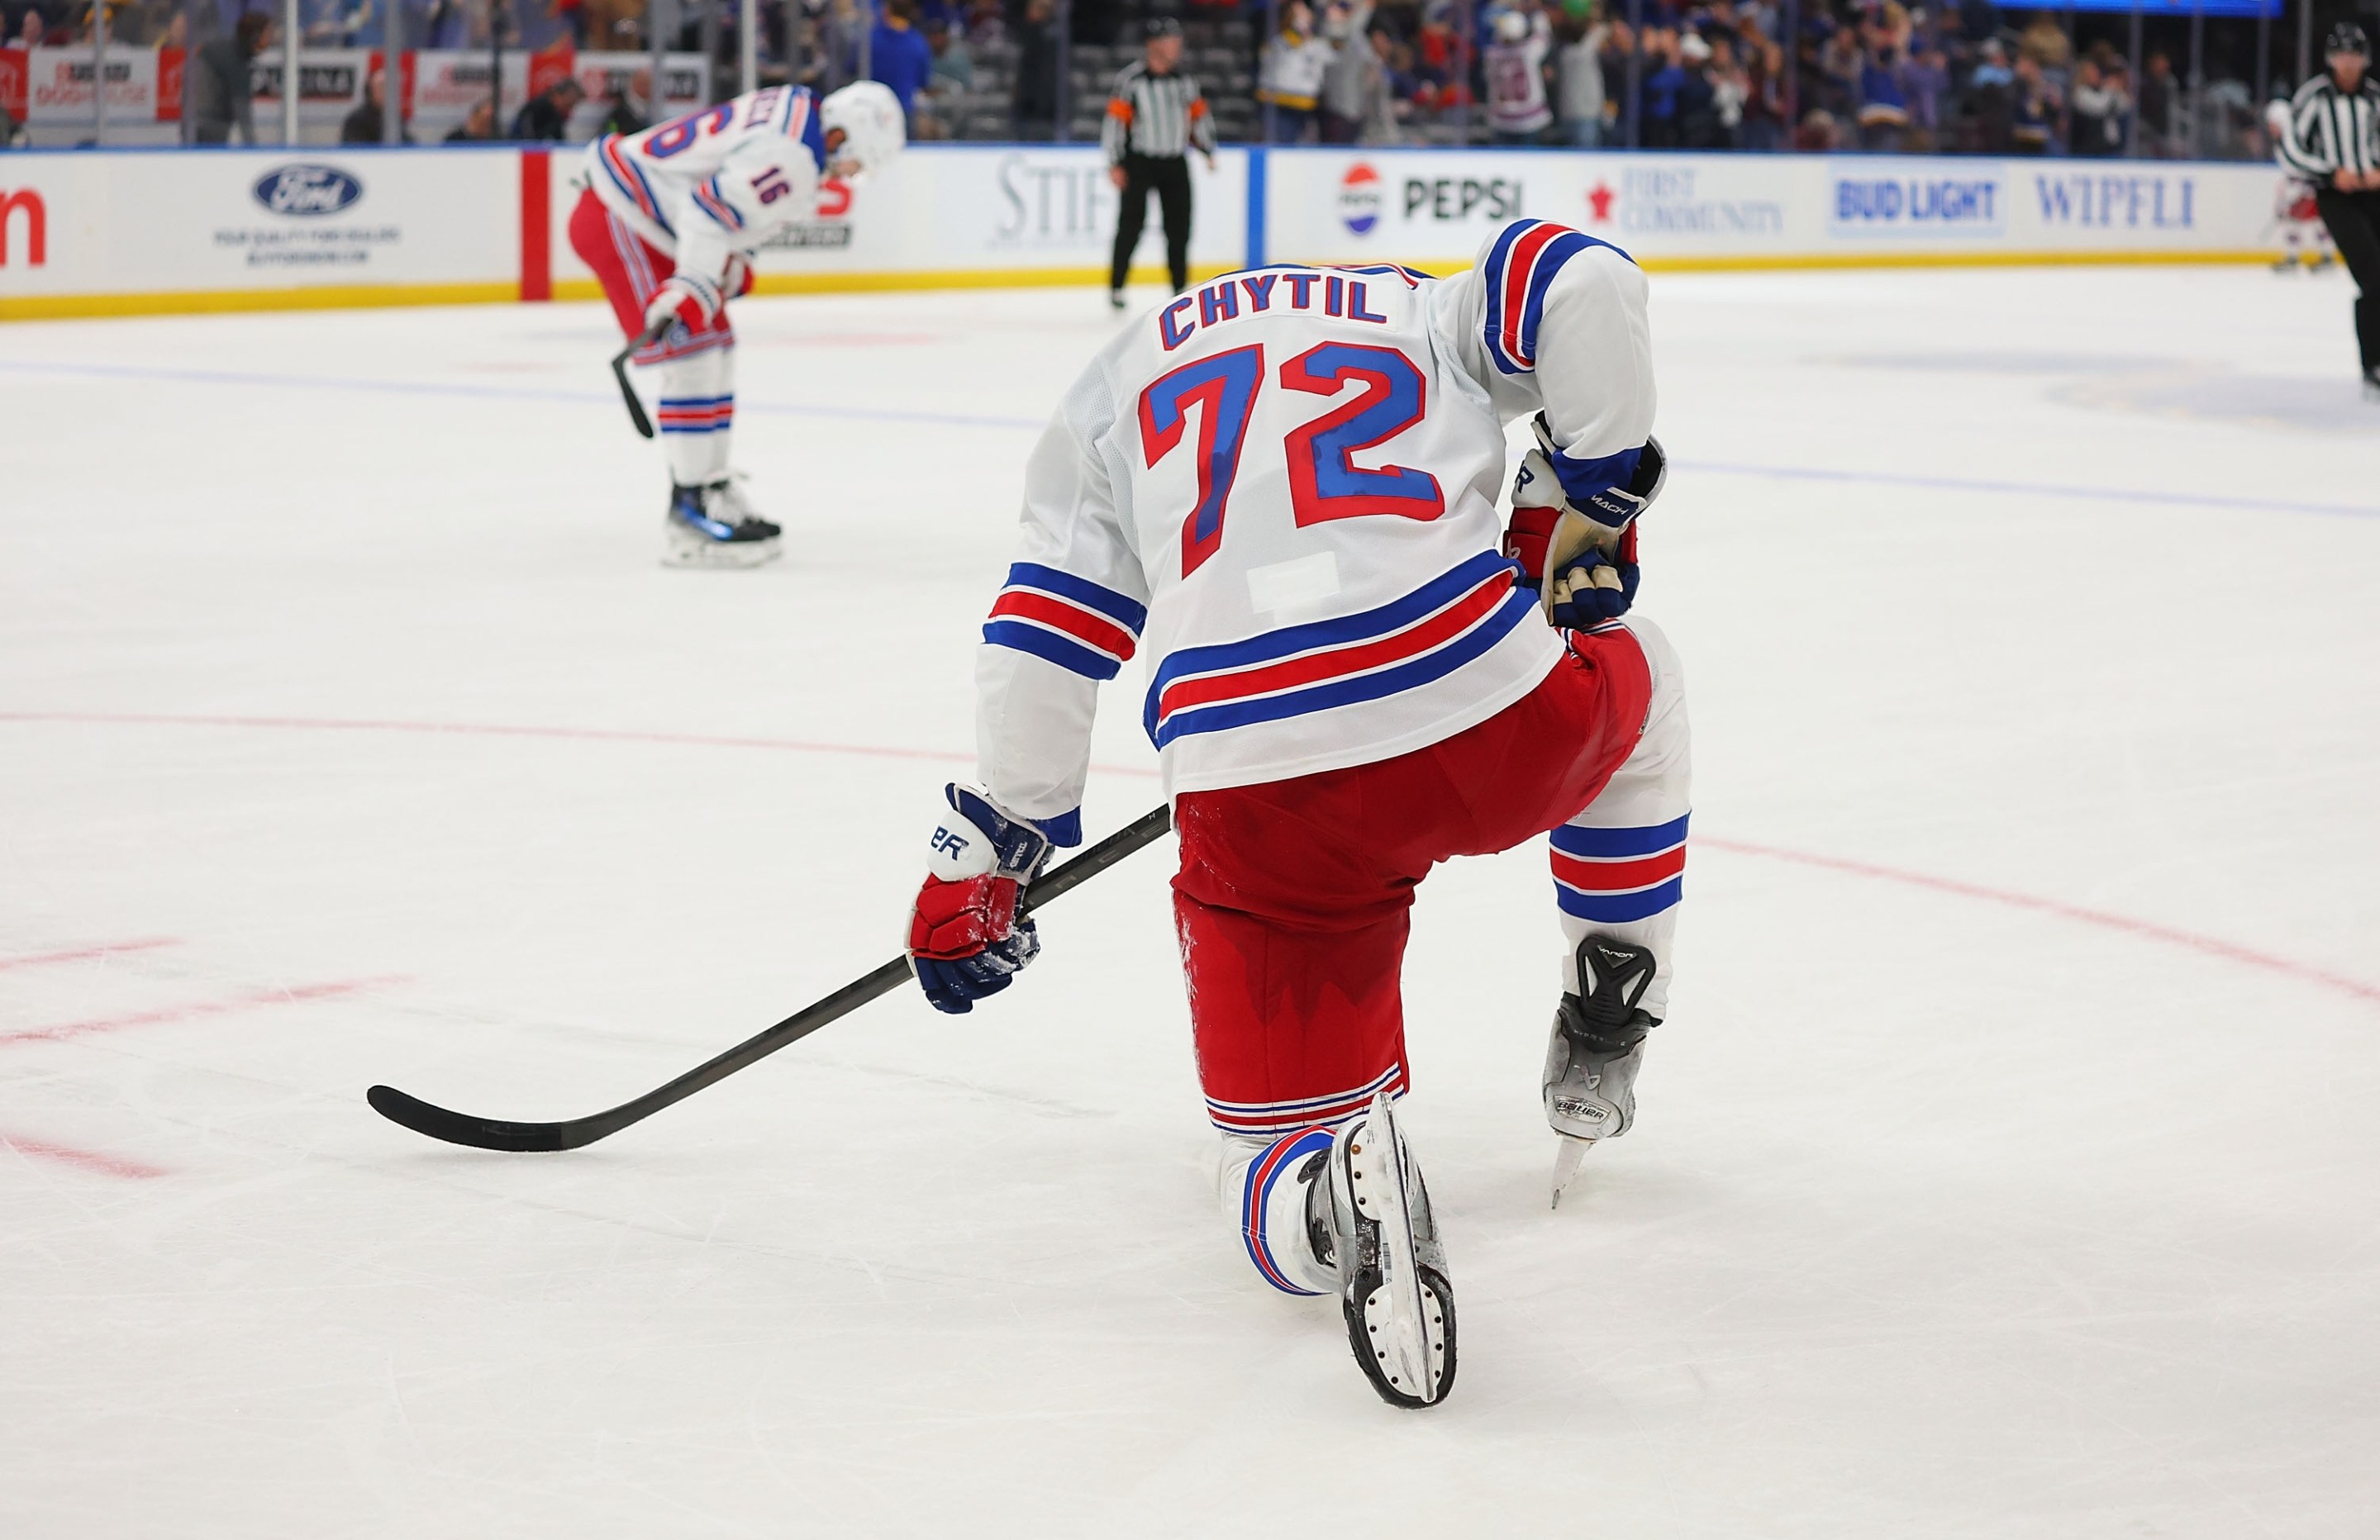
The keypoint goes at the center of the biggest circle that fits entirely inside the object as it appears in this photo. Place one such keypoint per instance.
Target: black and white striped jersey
(1155, 115)
(2330, 131)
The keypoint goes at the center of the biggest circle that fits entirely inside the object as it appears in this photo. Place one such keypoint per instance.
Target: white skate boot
(1384, 1244)
(1597, 1048)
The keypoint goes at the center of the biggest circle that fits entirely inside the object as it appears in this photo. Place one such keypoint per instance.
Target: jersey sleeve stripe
(1605, 844)
(1403, 645)
(1051, 647)
(710, 201)
(1126, 612)
(1094, 631)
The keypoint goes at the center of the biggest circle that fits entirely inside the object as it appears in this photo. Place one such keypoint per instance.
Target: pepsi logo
(307, 189)
(1359, 198)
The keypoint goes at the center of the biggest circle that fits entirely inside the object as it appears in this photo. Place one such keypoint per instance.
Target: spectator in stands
(1037, 72)
(2097, 110)
(1883, 110)
(1664, 75)
(953, 62)
(1840, 59)
(1816, 132)
(620, 113)
(572, 14)
(2046, 43)
(1352, 67)
(545, 117)
(1924, 80)
(478, 125)
(1437, 85)
(2160, 107)
(31, 32)
(364, 124)
(898, 57)
(1764, 102)
(1513, 67)
(1357, 106)
(220, 102)
(1579, 72)
(1619, 49)
(2032, 107)
(1730, 89)
(1290, 77)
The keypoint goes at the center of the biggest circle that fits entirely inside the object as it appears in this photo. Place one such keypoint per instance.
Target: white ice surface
(2009, 1167)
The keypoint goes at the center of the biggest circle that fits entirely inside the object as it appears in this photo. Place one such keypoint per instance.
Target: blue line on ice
(748, 407)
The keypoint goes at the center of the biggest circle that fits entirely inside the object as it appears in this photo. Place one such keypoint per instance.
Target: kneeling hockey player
(1282, 489)
(669, 221)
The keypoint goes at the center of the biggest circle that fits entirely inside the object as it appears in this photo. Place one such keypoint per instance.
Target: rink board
(110, 232)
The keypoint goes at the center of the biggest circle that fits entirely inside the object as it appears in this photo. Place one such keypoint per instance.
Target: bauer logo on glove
(967, 937)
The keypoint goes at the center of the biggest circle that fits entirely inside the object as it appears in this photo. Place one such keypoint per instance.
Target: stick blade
(457, 1128)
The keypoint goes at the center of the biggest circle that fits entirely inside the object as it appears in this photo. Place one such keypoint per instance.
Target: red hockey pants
(1292, 897)
(631, 271)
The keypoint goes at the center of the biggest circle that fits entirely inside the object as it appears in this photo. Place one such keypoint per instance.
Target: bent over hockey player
(1280, 490)
(669, 221)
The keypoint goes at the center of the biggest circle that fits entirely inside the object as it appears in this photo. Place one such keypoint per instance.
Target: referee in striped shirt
(2333, 141)
(1155, 115)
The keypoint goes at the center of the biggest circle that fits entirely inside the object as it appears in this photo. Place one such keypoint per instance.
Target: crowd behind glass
(1745, 75)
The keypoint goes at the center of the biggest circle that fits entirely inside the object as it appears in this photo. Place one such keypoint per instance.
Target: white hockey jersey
(1280, 490)
(713, 184)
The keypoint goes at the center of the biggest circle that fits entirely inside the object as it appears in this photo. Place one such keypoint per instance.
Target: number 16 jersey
(1278, 493)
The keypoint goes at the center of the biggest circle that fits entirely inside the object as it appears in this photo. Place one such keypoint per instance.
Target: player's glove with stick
(681, 298)
(1598, 581)
(965, 938)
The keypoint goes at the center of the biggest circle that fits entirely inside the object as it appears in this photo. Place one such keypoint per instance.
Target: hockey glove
(1612, 490)
(966, 937)
(1594, 585)
(681, 298)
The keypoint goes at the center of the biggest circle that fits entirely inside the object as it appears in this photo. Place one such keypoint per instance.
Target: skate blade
(720, 554)
(1566, 1163)
(1403, 1317)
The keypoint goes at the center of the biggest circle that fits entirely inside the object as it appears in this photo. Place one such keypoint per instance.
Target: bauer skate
(709, 526)
(1597, 1048)
(1369, 1218)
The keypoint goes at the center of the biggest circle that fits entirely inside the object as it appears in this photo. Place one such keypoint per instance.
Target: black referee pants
(2354, 219)
(1169, 177)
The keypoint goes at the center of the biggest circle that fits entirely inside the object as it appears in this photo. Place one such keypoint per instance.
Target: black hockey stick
(646, 338)
(457, 1128)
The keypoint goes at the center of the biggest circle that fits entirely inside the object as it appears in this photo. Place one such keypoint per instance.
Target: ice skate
(708, 527)
(1597, 1048)
(2372, 386)
(1383, 1241)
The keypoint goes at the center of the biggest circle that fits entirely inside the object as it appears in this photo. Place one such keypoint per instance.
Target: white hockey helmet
(869, 115)
(1511, 26)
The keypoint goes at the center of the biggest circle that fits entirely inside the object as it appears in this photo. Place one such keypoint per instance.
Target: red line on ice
(89, 1160)
(2210, 946)
(84, 954)
(292, 995)
(499, 729)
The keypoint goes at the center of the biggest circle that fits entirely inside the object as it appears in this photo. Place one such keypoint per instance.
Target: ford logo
(308, 190)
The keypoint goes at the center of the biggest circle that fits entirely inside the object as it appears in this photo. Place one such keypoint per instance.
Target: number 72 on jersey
(1324, 481)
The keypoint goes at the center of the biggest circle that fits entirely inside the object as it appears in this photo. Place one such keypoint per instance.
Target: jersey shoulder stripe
(1521, 268)
(629, 177)
(1399, 646)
